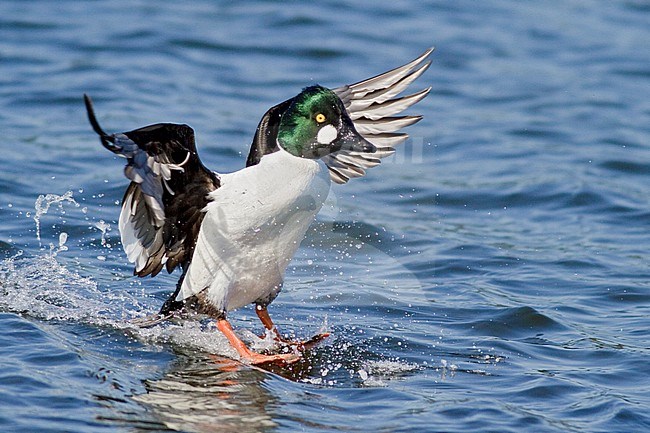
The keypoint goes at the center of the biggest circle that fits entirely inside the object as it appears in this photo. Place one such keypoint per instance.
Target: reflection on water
(210, 393)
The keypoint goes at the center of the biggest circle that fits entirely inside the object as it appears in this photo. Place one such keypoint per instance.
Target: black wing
(162, 209)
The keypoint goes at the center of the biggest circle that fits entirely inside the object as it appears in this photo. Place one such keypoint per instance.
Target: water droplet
(42, 206)
(63, 238)
(105, 228)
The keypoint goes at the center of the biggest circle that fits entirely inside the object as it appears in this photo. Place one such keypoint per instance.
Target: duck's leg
(248, 355)
(263, 314)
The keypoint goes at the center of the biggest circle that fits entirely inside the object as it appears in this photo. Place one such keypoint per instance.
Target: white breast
(253, 227)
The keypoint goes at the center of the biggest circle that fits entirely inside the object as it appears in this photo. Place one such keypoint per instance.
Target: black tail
(108, 141)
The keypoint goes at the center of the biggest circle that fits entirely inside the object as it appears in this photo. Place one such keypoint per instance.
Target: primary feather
(372, 105)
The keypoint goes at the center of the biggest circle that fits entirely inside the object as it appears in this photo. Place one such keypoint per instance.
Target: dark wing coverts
(162, 209)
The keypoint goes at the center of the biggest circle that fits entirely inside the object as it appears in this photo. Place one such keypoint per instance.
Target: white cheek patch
(326, 134)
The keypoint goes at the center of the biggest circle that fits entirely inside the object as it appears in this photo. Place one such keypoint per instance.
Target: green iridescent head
(317, 124)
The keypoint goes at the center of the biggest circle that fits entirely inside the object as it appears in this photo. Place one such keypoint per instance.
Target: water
(492, 276)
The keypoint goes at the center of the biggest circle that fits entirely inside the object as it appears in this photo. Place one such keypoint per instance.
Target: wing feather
(162, 209)
(378, 111)
(389, 78)
(372, 105)
(387, 124)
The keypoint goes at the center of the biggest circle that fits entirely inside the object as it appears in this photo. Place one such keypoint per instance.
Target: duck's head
(316, 124)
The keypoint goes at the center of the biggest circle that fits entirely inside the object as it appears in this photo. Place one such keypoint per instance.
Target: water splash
(104, 227)
(378, 373)
(42, 206)
(63, 238)
(43, 288)
(46, 289)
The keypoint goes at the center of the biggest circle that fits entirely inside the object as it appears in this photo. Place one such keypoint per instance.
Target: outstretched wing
(372, 105)
(162, 209)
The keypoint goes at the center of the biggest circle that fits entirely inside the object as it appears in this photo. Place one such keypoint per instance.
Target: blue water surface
(493, 275)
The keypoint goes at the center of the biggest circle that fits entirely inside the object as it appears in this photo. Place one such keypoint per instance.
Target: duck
(232, 235)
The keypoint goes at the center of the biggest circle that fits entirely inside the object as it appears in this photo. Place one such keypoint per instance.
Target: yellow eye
(320, 118)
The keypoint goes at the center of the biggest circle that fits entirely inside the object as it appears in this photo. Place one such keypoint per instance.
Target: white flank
(253, 227)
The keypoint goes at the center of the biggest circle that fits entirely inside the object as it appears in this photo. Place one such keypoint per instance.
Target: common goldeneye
(233, 234)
